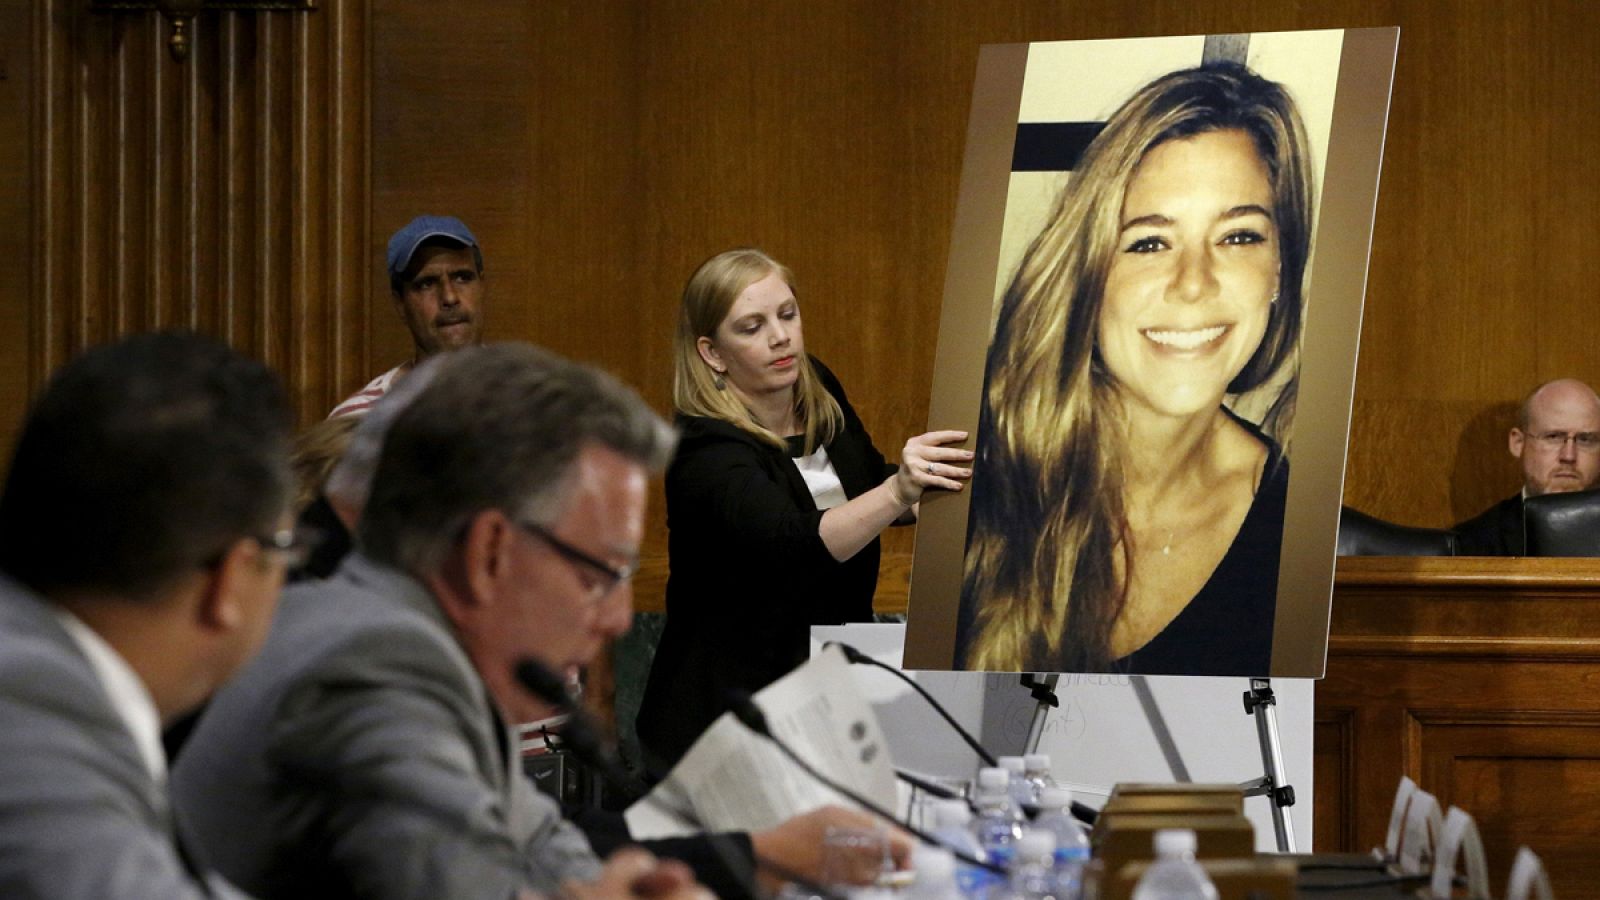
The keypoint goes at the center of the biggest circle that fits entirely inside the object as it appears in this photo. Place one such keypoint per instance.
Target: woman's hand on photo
(927, 462)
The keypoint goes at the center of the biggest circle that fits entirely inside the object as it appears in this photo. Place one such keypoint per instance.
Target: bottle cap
(1174, 842)
(993, 779)
(1055, 798)
(1013, 764)
(1037, 762)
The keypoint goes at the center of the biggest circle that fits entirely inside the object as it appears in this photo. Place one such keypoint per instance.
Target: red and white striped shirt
(359, 403)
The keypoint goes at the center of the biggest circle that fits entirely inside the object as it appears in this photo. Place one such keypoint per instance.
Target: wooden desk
(1479, 678)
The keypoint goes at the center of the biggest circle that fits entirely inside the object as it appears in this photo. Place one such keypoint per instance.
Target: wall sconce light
(181, 13)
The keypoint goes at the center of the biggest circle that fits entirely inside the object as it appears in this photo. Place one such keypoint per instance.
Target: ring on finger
(929, 468)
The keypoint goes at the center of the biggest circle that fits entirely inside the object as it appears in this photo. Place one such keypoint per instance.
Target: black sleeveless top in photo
(1227, 628)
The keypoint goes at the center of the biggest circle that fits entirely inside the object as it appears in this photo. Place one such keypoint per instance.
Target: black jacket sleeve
(724, 862)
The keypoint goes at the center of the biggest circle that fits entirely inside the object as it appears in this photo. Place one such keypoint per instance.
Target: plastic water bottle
(1021, 790)
(1072, 842)
(1033, 872)
(952, 823)
(934, 875)
(996, 825)
(1036, 768)
(1175, 875)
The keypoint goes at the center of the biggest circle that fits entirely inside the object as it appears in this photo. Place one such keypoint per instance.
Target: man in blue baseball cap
(436, 275)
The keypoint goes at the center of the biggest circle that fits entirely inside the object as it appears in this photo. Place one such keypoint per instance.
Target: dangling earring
(719, 382)
(1274, 300)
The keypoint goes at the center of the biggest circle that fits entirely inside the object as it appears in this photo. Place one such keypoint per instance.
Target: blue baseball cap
(406, 241)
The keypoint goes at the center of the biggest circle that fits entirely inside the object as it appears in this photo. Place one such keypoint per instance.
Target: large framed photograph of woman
(1149, 326)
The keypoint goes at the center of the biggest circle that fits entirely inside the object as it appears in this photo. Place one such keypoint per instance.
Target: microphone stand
(1042, 692)
(750, 715)
(856, 656)
(580, 734)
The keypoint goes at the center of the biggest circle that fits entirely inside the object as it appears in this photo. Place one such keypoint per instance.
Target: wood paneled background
(227, 193)
(601, 150)
(1476, 681)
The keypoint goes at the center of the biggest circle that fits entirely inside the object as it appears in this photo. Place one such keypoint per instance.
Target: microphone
(929, 787)
(744, 709)
(1080, 811)
(857, 657)
(581, 735)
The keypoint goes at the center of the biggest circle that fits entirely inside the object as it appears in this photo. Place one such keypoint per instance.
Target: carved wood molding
(228, 195)
(1429, 717)
(1440, 574)
(1335, 747)
(1501, 610)
(180, 14)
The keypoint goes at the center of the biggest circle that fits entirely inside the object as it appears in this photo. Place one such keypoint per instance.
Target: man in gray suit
(143, 540)
(366, 752)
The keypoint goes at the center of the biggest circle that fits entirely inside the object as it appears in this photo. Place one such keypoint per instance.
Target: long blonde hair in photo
(1040, 591)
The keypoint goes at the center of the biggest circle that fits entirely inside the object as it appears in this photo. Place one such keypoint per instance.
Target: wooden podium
(1479, 678)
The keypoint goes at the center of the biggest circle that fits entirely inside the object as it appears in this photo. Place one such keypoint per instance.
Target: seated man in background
(366, 753)
(144, 532)
(435, 270)
(1557, 441)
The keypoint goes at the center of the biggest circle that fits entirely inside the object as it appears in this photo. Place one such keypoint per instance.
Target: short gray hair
(498, 428)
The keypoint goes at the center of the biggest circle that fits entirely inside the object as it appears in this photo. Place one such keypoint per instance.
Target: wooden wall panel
(1333, 765)
(1479, 288)
(226, 193)
(654, 135)
(16, 211)
(1475, 678)
(1534, 776)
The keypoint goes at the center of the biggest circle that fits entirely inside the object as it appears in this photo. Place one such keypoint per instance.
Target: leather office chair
(1364, 535)
(1563, 524)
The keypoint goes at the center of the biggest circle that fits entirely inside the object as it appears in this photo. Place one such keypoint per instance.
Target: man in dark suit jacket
(1557, 441)
(366, 752)
(143, 536)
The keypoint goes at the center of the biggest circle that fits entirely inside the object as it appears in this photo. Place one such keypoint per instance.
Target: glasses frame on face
(611, 575)
(1586, 441)
(293, 544)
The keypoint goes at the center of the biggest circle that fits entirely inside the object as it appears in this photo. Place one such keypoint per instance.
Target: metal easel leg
(1044, 694)
(1260, 703)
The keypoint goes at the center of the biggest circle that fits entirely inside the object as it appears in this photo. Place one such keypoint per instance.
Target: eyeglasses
(1587, 441)
(610, 575)
(294, 543)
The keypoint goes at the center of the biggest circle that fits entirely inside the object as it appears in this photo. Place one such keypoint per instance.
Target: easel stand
(1260, 702)
(1043, 688)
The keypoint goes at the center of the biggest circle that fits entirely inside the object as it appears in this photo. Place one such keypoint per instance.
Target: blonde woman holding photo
(775, 499)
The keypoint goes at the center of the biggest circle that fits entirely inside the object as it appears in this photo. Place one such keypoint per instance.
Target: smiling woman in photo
(1125, 517)
(775, 500)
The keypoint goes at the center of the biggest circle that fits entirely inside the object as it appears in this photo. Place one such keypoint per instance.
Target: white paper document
(735, 780)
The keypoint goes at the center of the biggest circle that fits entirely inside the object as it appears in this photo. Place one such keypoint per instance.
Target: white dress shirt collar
(127, 693)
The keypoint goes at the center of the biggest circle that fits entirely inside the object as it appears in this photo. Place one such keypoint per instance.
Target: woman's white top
(821, 479)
